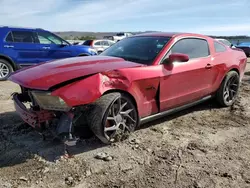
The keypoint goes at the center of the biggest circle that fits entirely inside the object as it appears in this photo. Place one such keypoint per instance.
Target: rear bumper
(31, 117)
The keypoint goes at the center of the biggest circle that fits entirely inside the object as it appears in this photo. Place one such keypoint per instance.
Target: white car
(226, 42)
(118, 36)
(99, 45)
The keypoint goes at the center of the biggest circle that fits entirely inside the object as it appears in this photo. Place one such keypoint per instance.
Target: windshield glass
(137, 49)
(120, 34)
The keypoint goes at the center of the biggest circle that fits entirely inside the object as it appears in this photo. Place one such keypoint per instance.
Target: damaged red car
(138, 79)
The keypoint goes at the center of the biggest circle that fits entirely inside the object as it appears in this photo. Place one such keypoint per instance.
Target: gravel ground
(204, 146)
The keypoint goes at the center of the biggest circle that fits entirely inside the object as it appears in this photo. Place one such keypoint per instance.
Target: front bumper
(30, 116)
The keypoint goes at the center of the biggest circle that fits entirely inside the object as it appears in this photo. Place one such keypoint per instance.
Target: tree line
(239, 37)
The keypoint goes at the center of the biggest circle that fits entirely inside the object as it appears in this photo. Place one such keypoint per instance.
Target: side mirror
(177, 57)
(63, 45)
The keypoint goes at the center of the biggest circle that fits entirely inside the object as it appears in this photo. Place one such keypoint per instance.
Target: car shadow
(246, 77)
(207, 105)
(247, 73)
(19, 142)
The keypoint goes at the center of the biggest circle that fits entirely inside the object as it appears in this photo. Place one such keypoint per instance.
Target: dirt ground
(204, 146)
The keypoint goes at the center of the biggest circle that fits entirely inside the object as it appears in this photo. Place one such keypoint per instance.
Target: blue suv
(21, 47)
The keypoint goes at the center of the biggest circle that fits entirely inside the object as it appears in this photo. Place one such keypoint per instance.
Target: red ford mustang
(138, 79)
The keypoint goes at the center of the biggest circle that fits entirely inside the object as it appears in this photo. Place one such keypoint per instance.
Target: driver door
(185, 82)
(53, 46)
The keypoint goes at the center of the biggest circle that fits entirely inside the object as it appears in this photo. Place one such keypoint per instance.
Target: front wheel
(227, 93)
(112, 117)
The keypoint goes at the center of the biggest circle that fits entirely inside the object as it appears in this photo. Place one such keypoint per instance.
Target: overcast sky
(222, 17)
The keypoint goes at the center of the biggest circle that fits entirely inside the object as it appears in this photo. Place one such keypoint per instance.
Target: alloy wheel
(231, 89)
(4, 70)
(121, 118)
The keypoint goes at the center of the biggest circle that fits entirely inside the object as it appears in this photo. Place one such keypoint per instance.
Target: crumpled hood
(46, 75)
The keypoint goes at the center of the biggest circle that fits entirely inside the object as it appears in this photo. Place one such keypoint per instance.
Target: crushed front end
(45, 112)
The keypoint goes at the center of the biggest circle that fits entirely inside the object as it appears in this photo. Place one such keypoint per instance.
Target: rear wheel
(112, 117)
(5, 69)
(227, 93)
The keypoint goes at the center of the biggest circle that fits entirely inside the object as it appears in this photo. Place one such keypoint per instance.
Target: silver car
(99, 45)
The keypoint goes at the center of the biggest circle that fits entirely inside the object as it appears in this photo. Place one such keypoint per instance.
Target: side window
(111, 43)
(219, 47)
(9, 37)
(43, 40)
(23, 37)
(48, 38)
(194, 48)
(105, 43)
(98, 43)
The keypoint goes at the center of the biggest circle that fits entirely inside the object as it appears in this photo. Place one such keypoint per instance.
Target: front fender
(89, 89)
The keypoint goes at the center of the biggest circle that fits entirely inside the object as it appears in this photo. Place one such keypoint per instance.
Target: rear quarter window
(9, 37)
(219, 47)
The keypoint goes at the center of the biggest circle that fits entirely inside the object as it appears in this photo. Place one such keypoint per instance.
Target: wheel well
(10, 61)
(124, 92)
(236, 70)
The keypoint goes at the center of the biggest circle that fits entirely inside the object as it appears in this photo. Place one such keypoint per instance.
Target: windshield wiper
(136, 60)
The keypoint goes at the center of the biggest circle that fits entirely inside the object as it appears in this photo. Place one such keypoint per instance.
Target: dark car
(245, 47)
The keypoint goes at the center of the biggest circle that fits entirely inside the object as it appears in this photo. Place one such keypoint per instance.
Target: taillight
(91, 43)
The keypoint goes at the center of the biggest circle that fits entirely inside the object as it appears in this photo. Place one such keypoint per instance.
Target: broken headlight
(48, 102)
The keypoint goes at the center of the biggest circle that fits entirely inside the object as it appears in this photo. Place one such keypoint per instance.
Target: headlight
(48, 102)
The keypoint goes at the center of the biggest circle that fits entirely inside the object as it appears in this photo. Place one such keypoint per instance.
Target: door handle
(46, 47)
(8, 46)
(208, 66)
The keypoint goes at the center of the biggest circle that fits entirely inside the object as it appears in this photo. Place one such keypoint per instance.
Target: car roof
(171, 34)
(18, 27)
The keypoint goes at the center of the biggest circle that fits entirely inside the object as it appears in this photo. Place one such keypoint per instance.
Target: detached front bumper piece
(30, 116)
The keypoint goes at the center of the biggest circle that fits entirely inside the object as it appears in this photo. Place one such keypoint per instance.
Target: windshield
(137, 49)
(120, 34)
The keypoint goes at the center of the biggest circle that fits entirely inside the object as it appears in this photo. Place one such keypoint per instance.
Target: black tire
(5, 66)
(221, 95)
(99, 111)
